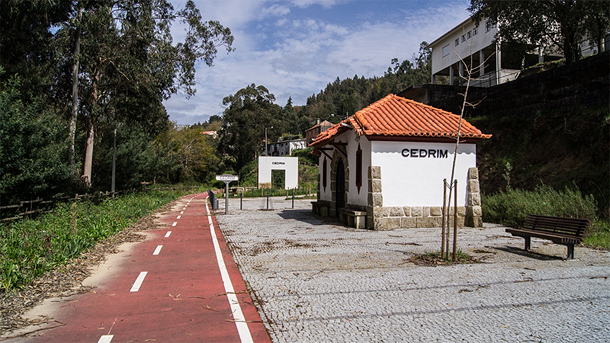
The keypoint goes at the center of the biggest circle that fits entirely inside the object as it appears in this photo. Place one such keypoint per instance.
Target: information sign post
(227, 178)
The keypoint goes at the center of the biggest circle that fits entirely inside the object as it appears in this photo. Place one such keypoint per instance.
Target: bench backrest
(560, 225)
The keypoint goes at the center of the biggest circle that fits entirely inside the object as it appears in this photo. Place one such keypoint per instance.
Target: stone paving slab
(318, 281)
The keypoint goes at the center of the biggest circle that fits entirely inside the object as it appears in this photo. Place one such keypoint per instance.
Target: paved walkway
(179, 285)
(317, 281)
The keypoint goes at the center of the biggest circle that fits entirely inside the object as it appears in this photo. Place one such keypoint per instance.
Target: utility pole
(113, 163)
(267, 143)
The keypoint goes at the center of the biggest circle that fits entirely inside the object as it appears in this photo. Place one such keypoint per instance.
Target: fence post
(455, 219)
(444, 219)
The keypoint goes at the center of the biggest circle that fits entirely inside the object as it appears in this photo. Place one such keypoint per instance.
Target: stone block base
(389, 218)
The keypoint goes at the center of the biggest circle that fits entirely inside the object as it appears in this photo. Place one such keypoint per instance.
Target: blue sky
(296, 47)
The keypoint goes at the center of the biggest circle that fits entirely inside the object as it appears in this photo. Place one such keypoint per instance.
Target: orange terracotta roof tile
(394, 116)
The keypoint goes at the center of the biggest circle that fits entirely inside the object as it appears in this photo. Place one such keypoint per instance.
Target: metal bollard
(213, 200)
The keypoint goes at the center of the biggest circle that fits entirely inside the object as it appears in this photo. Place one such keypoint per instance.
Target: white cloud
(323, 3)
(275, 10)
(234, 14)
(301, 55)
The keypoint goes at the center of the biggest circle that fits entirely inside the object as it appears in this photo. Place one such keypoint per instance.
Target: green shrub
(598, 235)
(306, 155)
(510, 208)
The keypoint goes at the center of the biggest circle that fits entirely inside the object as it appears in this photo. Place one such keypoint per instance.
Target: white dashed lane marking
(158, 250)
(168, 233)
(105, 339)
(136, 285)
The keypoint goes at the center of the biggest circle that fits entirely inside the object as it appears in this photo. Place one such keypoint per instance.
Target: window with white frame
(446, 50)
(457, 42)
(468, 34)
(489, 25)
(463, 38)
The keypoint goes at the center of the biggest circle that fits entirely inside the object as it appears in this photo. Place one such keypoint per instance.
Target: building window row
(466, 36)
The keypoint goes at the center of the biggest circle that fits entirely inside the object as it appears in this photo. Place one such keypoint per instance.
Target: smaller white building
(290, 165)
(384, 166)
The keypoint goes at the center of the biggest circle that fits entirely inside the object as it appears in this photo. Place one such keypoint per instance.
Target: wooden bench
(353, 218)
(566, 231)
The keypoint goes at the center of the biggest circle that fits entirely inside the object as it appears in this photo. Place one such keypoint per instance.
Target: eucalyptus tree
(564, 23)
(129, 63)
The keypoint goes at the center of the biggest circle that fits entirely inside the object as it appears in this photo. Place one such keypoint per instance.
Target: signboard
(227, 177)
(425, 153)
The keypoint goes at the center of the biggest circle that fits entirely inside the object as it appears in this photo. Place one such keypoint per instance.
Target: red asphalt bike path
(182, 298)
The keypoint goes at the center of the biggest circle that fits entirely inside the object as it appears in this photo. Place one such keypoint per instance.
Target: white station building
(384, 167)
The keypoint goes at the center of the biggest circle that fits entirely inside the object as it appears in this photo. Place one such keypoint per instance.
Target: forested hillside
(552, 129)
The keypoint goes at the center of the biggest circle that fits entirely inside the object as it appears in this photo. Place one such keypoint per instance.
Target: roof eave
(450, 32)
(429, 139)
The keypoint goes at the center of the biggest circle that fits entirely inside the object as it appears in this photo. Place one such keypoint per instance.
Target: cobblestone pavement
(318, 281)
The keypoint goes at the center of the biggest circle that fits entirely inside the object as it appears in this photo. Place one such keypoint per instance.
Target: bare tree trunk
(91, 135)
(89, 154)
(452, 184)
(75, 69)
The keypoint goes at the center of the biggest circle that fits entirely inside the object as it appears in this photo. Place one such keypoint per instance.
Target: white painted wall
(418, 181)
(325, 193)
(353, 196)
(476, 43)
(290, 164)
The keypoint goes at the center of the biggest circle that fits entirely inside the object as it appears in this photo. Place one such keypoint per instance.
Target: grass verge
(598, 235)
